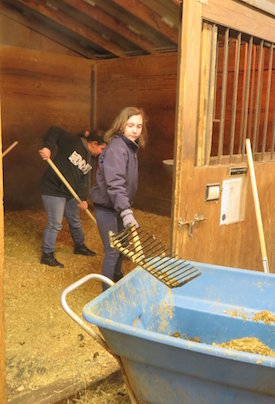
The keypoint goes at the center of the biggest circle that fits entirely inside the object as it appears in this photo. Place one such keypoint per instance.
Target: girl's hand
(45, 153)
(83, 205)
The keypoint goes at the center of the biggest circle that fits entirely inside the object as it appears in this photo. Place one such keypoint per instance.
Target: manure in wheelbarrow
(245, 344)
(177, 334)
(152, 255)
(248, 344)
(265, 316)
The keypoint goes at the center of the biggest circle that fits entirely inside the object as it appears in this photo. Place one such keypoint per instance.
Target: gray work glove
(128, 218)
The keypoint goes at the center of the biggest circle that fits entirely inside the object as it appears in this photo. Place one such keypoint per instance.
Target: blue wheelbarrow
(139, 318)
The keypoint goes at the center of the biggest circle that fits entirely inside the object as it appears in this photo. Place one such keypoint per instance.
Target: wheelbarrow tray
(139, 315)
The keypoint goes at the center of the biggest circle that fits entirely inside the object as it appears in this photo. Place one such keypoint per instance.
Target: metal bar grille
(267, 99)
(223, 98)
(246, 95)
(252, 87)
(258, 98)
(235, 92)
(243, 99)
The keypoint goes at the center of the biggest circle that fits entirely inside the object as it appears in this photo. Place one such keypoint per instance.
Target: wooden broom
(257, 205)
(72, 191)
(9, 148)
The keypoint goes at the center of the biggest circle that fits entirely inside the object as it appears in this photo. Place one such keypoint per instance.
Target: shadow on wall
(155, 188)
(22, 178)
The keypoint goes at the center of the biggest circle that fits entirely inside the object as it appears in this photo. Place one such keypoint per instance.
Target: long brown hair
(120, 122)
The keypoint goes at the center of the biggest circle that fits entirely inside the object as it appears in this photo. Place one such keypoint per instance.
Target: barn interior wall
(41, 85)
(150, 83)
(38, 89)
(15, 32)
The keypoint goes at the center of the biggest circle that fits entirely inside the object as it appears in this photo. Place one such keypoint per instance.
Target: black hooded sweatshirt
(73, 160)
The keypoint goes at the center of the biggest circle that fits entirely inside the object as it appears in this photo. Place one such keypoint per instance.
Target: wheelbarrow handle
(91, 332)
(75, 317)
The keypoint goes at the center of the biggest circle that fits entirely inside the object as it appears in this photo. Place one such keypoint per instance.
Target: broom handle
(72, 191)
(257, 205)
(9, 148)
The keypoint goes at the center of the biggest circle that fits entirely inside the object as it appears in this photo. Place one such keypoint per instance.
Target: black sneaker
(49, 259)
(82, 249)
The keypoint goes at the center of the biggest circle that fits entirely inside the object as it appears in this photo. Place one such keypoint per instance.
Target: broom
(72, 191)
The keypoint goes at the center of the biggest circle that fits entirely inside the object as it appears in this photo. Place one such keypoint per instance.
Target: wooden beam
(167, 9)
(267, 6)
(187, 113)
(110, 22)
(68, 22)
(239, 16)
(2, 334)
(30, 21)
(145, 14)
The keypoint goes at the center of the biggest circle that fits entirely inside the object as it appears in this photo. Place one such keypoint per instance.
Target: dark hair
(96, 135)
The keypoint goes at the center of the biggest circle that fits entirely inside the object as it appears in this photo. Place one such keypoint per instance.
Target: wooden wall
(38, 89)
(14, 32)
(148, 82)
(2, 327)
(41, 84)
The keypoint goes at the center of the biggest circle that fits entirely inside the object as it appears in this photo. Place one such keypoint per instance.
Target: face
(133, 127)
(95, 148)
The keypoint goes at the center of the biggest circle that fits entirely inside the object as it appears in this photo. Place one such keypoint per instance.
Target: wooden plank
(2, 333)
(207, 92)
(61, 390)
(97, 14)
(69, 23)
(240, 17)
(187, 112)
(273, 135)
(145, 14)
(40, 89)
(204, 90)
(36, 34)
(264, 5)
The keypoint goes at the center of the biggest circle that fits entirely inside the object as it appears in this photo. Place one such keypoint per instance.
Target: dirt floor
(48, 356)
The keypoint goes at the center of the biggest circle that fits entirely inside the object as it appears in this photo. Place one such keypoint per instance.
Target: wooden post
(2, 335)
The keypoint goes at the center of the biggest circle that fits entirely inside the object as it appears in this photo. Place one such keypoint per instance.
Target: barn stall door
(225, 94)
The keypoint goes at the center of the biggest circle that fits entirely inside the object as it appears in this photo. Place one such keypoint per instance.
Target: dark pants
(108, 220)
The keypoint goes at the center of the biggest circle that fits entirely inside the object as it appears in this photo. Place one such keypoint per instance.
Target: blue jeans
(109, 220)
(56, 207)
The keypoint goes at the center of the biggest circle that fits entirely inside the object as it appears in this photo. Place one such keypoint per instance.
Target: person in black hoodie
(116, 183)
(75, 157)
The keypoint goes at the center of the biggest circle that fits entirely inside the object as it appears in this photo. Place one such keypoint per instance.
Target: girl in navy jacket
(116, 183)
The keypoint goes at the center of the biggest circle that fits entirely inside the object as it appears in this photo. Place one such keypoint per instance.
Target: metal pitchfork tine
(150, 254)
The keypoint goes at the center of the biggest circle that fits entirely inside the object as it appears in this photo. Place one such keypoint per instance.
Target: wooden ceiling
(102, 29)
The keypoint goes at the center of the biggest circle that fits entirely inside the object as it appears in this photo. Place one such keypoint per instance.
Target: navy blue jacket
(117, 175)
(73, 160)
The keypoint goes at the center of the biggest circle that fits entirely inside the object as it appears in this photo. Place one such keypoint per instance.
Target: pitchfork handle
(72, 191)
(257, 205)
